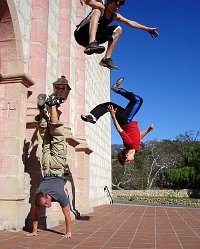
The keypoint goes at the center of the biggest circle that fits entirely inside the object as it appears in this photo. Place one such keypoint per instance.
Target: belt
(53, 175)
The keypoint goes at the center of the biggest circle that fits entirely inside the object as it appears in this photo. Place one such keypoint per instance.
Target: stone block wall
(156, 193)
(37, 46)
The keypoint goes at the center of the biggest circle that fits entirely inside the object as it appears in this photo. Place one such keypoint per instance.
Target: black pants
(81, 34)
(123, 115)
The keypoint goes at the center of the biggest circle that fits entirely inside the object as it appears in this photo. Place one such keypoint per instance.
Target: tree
(162, 164)
(187, 175)
(131, 176)
(182, 177)
(193, 156)
(161, 156)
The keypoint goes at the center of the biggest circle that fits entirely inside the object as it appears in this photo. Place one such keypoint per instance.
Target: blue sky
(165, 72)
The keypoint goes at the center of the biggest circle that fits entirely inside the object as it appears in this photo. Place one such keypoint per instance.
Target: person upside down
(123, 121)
(53, 161)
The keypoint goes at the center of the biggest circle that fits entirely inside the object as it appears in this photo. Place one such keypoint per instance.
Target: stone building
(37, 47)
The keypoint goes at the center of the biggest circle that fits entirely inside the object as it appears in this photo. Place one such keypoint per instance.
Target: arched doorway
(13, 101)
(11, 56)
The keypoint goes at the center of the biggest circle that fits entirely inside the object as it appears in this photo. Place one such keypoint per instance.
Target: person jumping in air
(97, 9)
(53, 162)
(123, 121)
(106, 32)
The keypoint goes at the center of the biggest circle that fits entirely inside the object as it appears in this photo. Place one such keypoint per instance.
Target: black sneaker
(108, 63)
(41, 100)
(52, 100)
(118, 84)
(94, 48)
(89, 118)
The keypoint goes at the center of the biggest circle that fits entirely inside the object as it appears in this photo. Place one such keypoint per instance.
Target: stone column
(14, 183)
(82, 151)
(82, 178)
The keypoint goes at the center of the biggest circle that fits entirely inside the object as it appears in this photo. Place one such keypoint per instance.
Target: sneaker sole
(94, 51)
(105, 65)
(41, 99)
(83, 118)
(52, 100)
(51, 103)
(117, 84)
(86, 120)
(100, 50)
(119, 81)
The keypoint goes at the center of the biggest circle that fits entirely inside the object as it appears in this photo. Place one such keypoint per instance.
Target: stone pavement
(119, 227)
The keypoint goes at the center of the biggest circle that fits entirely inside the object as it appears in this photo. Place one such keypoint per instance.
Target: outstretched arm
(115, 122)
(152, 31)
(144, 133)
(68, 223)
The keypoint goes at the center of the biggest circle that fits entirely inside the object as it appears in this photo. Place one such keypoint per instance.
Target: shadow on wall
(69, 178)
(33, 168)
(78, 216)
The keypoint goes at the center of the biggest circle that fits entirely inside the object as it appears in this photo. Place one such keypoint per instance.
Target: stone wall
(37, 46)
(169, 197)
(156, 193)
(98, 135)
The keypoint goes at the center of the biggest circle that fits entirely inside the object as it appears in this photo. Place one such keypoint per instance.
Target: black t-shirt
(103, 21)
(54, 186)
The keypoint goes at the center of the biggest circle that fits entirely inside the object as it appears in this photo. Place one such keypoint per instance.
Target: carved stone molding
(83, 147)
(14, 79)
(70, 139)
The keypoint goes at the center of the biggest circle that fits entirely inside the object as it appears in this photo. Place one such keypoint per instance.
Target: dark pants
(123, 115)
(81, 34)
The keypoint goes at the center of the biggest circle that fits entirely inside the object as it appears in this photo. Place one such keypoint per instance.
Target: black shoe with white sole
(89, 118)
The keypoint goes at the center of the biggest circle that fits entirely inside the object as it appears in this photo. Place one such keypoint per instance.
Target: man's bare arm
(36, 215)
(115, 122)
(68, 222)
(152, 31)
(144, 133)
